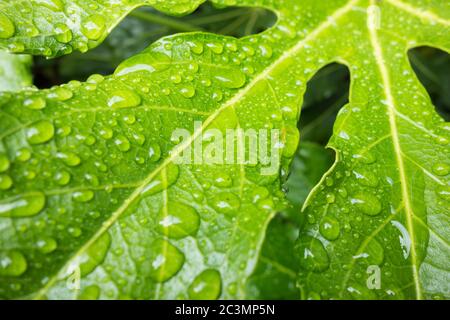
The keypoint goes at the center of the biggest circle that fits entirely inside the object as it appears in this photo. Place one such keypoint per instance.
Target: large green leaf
(56, 27)
(93, 172)
(379, 220)
(14, 71)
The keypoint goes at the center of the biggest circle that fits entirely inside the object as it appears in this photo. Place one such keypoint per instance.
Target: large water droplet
(4, 162)
(46, 245)
(178, 220)
(12, 263)
(23, 206)
(40, 132)
(95, 254)
(124, 99)
(162, 181)
(35, 103)
(69, 158)
(94, 27)
(441, 169)
(164, 260)
(367, 203)
(5, 182)
(206, 286)
(226, 203)
(83, 196)
(366, 178)
(329, 228)
(313, 256)
(7, 28)
(232, 79)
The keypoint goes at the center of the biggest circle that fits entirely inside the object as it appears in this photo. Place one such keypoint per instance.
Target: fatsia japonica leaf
(57, 27)
(379, 220)
(95, 194)
(14, 71)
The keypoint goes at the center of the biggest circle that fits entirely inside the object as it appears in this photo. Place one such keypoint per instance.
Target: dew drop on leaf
(23, 206)
(367, 203)
(40, 132)
(313, 256)
(163, 261)
(206, 286)
(7, 28)
(178, 220)
(12, 263)
(329, 228)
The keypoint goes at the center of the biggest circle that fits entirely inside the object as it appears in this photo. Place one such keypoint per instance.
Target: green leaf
(14, 71)
(93, 173)
(379, 219)
(275, 275)
(57, 27)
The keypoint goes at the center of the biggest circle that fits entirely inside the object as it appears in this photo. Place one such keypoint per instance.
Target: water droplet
(329, 228)
(95, 254)
(444, 192)
(83, 196)
(144, 62)
(69, 158)
(23, 155)
(46, 245)
(162, 181)
(178, 220)
(94, 27)
(62, 178)
(5, 182)
(40, 132)
(223, 180)
(35, 103)
(164, 260)
(90, 293)
(405, 239)
(23, 206)
(124, 99)
(187, 91)
(62, 33)
(226, 203)
(7, 28)
(230, 79)
(60, 94)
(206, 286)
(122, 143)
(4, 162)
(196, 47)
(441, 169)
(215, 47)
(366, 178)
(313, 256)
(154, 153)
(367, 203)
(12, 263)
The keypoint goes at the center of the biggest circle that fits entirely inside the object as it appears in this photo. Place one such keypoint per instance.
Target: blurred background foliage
(327, 92)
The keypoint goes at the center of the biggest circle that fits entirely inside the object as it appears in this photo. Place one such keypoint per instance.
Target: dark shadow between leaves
(432, 67)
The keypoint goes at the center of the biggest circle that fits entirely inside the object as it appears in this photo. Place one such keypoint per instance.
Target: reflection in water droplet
(226, 203)
(7, 28)
(405, 239)
(35, 103)
(12, 263)
(367, 203)
(313, 256)
(330, 228)
(46, 245)
(93, 27)
(23, 206)
(206, 286)
(40, 132)
(178, 220)
(163, 261)
(94, 255)
(124, 99)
